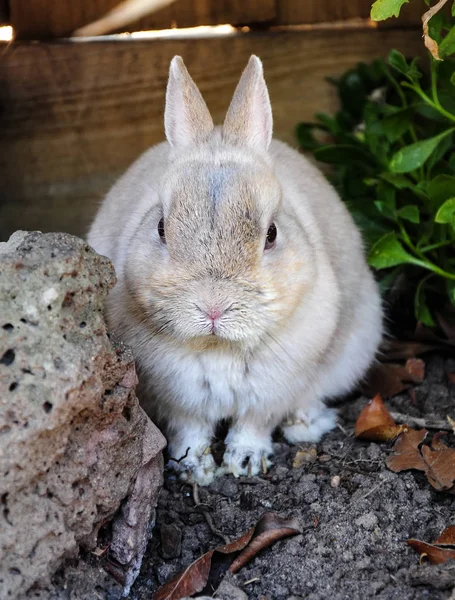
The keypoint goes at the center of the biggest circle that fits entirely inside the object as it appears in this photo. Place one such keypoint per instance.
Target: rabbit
(242, 289)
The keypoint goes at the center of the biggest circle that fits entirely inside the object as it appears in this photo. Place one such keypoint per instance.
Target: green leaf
(452, 79)
(446, 213)
(398, 62)
(386, 282)
(447, 46)
(414, 156)
(341, 154)
(397, 124)
(421, 310)
(388, 252)
(384, 9)
(386, 203)
(440, 189)
(305, 137)
(410, 212)
(453, 9)
(399, 181)
(440, 152)
(352, 93)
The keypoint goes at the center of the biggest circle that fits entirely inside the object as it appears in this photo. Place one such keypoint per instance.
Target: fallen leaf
(447, 537)
(375, 423)
(269, 529)
(451, 377)
(441, 464)
(416, 368)
(440, 551)
(195, 578)
(436, 461)
(398, 350)
(434, 554)
(390, 379)
(304, 457)
(406, 452)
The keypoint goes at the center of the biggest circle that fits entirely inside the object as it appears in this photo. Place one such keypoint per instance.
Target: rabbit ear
(186, 118)
(249, 118)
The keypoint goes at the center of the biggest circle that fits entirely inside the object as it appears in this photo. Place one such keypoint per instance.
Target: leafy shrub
(391, 148)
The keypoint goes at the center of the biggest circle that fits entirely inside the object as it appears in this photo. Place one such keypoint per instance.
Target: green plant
(391, 148)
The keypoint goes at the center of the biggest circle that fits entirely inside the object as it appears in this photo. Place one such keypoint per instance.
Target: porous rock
(74, 442)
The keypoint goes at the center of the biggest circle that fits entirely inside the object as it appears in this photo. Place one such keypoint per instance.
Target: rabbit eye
(271, 237)
(161, 230)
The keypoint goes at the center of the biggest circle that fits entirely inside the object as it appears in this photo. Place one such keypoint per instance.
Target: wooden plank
(40, 19)
(75, 115)
(4, 12)
(296, 12)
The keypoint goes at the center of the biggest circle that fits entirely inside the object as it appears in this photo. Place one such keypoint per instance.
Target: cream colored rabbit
(242, 284)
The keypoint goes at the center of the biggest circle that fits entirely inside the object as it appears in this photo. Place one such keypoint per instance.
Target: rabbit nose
(214, 313)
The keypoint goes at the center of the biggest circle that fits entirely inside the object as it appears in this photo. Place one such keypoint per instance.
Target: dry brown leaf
(441, 464)
(430, 43)
(304, 457)
(440, 551)
(434, 554)
(447, 537)
(390, 379)
(375, 423)
(406, 449)
(399, 350)
(196, 576)
(436, 461)
(269, 529)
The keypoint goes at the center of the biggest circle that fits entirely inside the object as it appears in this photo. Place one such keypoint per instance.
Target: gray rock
(74, 442)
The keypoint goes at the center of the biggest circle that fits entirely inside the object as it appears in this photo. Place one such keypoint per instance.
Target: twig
(418, 422)
(343, 430)
(177, 460)
(370, 491)
(208, 516)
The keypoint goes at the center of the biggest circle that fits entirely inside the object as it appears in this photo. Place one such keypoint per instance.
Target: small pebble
(335, 481)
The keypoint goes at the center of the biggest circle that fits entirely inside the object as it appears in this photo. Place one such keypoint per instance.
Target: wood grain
(4, 12)
(40, 19)
(296, 12)
(73, 116)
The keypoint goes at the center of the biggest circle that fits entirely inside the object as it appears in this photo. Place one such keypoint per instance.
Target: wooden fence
(74, 115)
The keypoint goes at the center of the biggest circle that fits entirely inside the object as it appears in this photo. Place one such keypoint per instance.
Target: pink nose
(214, 314)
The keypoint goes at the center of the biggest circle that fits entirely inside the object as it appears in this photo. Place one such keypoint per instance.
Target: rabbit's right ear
(186, 118)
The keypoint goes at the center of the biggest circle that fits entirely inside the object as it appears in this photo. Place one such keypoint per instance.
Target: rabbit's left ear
(249, 118)
(187, 120)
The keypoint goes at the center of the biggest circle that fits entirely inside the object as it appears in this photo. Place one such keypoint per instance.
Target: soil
(353, 544)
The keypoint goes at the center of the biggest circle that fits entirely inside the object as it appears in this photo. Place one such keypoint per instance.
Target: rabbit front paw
(309, 425)
(247, 455)
(196, 466)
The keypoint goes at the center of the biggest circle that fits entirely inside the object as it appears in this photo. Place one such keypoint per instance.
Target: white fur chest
(213, 384)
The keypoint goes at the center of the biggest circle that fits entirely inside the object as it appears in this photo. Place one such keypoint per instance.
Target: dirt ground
(353, 544)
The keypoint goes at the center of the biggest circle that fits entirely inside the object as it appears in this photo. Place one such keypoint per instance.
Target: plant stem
(434, 88)
(435, 246)
(396, 85)
(424, 262)
(418, 90)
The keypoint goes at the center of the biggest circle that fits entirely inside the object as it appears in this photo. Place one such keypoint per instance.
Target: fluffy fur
(221, 327)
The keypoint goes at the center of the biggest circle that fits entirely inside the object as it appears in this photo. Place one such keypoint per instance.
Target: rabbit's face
(220, 261)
